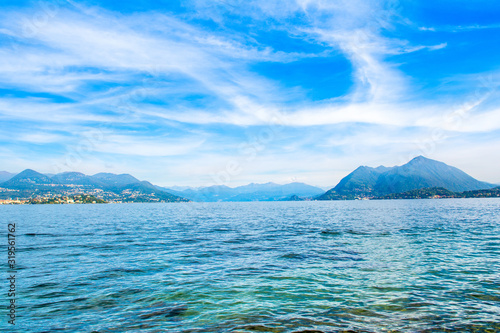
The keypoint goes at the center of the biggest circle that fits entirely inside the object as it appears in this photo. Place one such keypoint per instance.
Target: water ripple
(371, 266)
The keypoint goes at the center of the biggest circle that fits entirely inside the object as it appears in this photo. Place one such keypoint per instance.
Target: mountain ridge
(250, 192)
(30, 184)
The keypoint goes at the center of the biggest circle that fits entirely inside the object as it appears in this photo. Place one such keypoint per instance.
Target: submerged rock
(165, 312)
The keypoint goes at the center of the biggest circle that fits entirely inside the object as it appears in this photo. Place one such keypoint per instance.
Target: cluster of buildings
(13, 202)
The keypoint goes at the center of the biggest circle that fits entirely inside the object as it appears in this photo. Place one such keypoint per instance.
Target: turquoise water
(358, 266)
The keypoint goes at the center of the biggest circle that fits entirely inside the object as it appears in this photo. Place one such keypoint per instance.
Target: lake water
(363, 266)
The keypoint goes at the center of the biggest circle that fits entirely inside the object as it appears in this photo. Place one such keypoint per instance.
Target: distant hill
(419, 173)
(4, 176)
(294, 198)
(250, 192)
(489, 193)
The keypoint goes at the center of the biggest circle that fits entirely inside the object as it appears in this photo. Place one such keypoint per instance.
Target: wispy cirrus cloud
(460, 28)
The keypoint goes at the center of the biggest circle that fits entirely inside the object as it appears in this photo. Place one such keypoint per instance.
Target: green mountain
(419, 173)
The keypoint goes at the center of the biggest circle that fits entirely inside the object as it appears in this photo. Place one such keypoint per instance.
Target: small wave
(44, 285)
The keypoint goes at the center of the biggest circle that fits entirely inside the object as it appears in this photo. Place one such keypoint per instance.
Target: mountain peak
(28, 178)
(29, 173)
(420, 159)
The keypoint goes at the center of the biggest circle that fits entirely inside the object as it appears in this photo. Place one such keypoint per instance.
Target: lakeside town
(75, 199)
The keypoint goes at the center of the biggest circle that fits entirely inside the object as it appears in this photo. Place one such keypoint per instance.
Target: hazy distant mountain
(273, 192)
(250, 192)
(419, 173)
(179, 188)
(4, 176)
(201, 194)
(145, 191)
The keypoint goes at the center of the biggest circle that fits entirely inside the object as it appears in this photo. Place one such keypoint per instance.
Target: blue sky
(231, 92)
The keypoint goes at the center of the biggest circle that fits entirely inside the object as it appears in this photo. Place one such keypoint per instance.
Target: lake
(334, 266)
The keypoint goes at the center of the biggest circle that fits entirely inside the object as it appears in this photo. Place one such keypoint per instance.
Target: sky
(229, 92)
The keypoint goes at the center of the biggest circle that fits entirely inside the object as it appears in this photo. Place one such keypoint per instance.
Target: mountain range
(419, 173)
(126, 188)
(250, 192)
(365, 182)
(115, 188)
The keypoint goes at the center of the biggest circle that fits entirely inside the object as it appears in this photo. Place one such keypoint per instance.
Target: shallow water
(363, 266)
